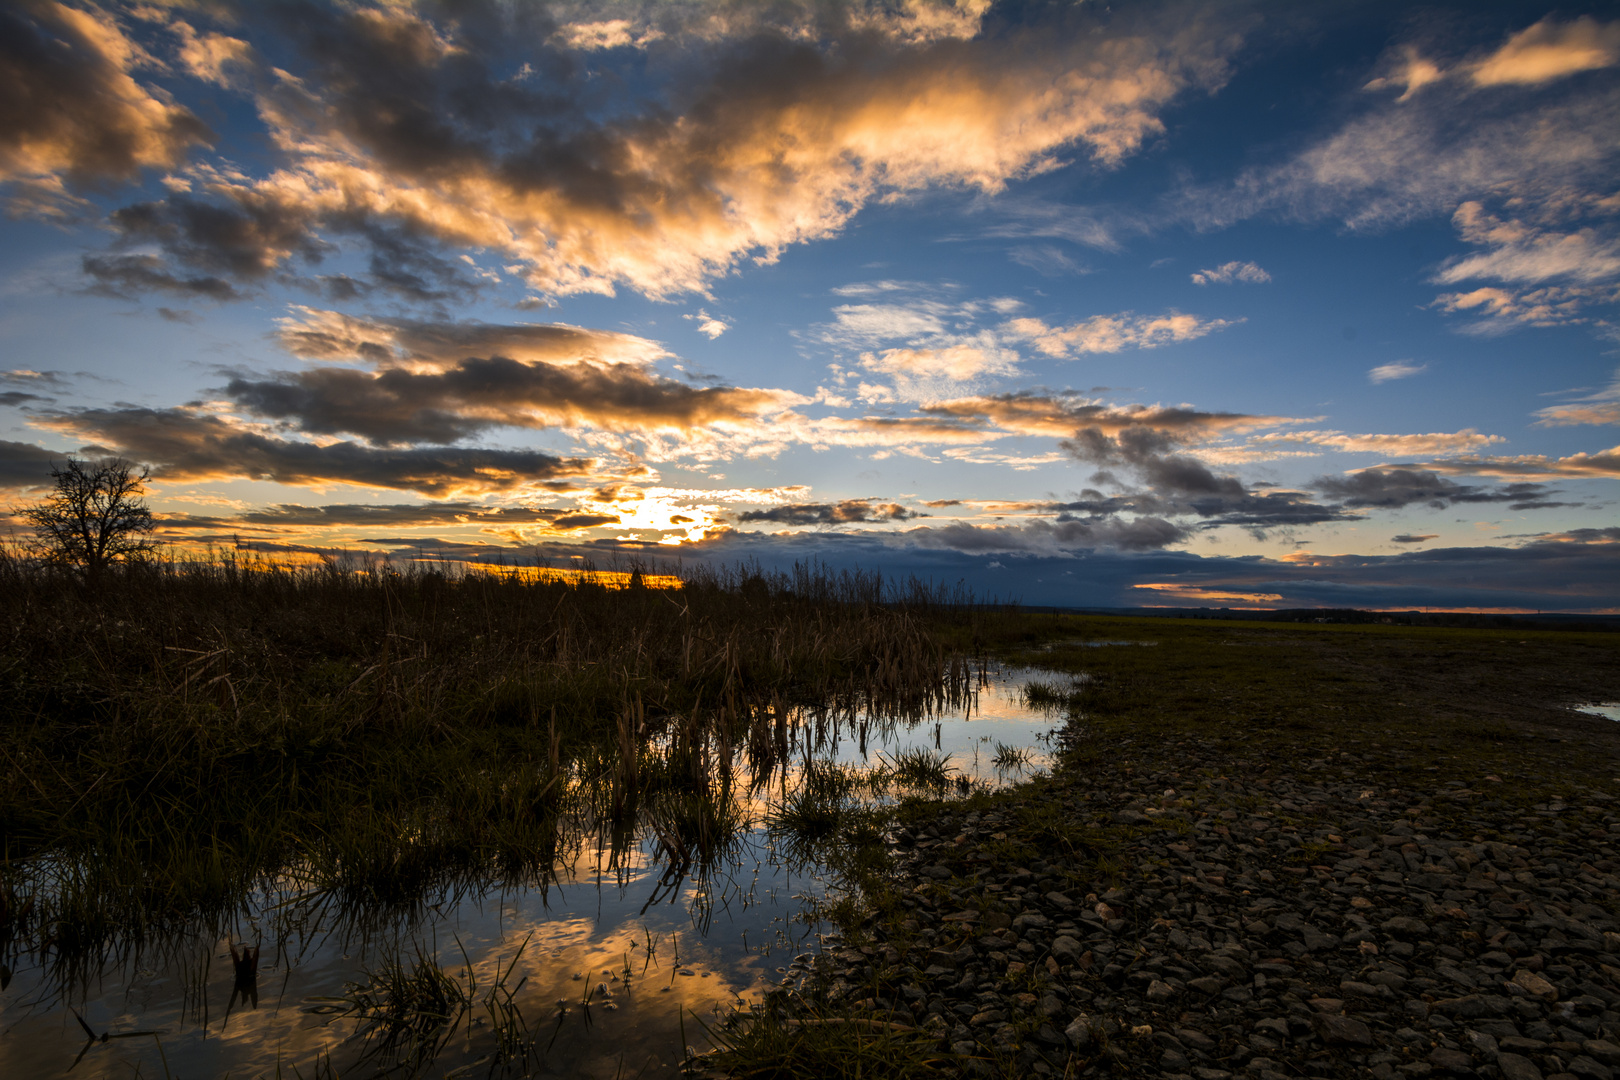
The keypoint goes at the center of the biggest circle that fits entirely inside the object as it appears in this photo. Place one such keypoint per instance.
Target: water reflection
(588, 971)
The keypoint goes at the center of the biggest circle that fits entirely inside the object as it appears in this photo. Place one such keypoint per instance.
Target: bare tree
(95, 517)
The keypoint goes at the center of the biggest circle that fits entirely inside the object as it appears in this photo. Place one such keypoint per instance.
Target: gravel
(1251, 919)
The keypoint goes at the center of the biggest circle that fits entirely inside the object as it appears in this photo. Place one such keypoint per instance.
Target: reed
(186, 734)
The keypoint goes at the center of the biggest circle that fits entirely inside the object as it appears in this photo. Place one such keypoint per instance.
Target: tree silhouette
(95, 517)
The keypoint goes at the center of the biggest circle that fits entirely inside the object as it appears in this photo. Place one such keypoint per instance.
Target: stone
(1452, 1060)
(1535, 986)
(1160, 991)
(1067, 950)
(1341, 1030)
(1517, 1067)
(1405, 926)
(1588, 1069)
(1081, 1037)
(1603, 1050)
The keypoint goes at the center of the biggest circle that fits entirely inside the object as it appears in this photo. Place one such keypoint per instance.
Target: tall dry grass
(187, 732)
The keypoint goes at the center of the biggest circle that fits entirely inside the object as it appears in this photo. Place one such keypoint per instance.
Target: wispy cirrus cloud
(1231, 273)
(1441, 442)
(1396, 369)
(1602, 407)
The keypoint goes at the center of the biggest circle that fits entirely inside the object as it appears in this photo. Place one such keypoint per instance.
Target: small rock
(1160, 991)
(1442, 1058)
(1405, 926)
(1080, 1035)
(1535, 985)
(1341, 1030)
(1517, 1067)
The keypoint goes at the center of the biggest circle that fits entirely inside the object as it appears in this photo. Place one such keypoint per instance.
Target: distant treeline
(1471, 620)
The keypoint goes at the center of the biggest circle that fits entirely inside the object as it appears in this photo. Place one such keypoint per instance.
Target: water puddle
(1609, 710)
(603, 973)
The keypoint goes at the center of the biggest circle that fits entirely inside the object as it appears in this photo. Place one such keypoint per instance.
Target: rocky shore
(1169, 910)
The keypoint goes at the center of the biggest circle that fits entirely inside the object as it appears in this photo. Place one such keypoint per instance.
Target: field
(187, 737)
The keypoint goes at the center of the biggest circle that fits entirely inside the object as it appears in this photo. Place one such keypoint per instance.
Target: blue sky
(1151, 304)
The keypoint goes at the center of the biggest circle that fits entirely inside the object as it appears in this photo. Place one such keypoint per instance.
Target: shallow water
(1609, 710)
(650, 954)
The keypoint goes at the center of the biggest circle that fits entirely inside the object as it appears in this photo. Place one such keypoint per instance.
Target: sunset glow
(1181, 304)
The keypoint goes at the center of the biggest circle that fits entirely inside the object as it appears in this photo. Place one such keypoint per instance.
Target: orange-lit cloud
(780, 143)
(428, 346)
(1550, 50)
(184, 444)
(1456, 442)
(72, 114)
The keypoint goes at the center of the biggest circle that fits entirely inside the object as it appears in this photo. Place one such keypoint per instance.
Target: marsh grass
(810, 1046)
(408, 1012)
(191, 735)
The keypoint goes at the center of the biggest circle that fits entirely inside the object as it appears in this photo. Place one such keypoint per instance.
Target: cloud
(1045, 259)
(1525, 175)
(1180, 484)
(24, 465)
(410, 135)
(869, 324)
(127, 276)
(184, 445)
(72, 115)
(437, 345)
(397, 405)
(1229, 273)
(1602, 407)
(709, 325)
(1550, 50)
(1112, 333)
(926, 373)
(1523, 253)
(1393, 488)
(1441, 442)
(1411, 538)
(1398, 369)
(1029, 412)
(1605, 464)
(847, 512)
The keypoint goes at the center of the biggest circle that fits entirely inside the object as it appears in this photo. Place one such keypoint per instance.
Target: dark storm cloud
(126, 276)
(1180, 485)
(1391, 489)
(71, 110)
(1410, 538)
(245, 239)
(24, 465)
(14, 398)
(401, 406)
(185, 445)
(1064, 535)
(846, 512)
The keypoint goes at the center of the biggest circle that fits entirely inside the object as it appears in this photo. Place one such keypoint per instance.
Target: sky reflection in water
(702, 949)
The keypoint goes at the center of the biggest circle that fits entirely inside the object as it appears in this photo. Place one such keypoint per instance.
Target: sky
(1144, 304)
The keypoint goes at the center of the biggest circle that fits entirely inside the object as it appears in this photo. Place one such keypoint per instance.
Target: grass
(809, 1046)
